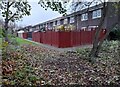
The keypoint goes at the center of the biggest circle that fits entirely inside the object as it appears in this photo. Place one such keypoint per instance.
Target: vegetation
(13, 11)
(54, 5)
(21, 41)
(115, 33)
(35, 65)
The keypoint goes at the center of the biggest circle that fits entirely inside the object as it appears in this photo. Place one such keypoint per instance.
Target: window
(65, 21)
(58, 22)
(54, 23)
(48, 26)
(83, 27)
(84, 17)
(37, 27)
(44, 25)
(96, 14)
(61, 21)
(72, 19)
(51, 24)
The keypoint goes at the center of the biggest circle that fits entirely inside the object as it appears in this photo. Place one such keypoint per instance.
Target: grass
(21, 41)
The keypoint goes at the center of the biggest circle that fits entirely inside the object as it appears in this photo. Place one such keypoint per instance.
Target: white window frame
(50, 26)
(37, 27)
(84, 17)
(72, 19)
(54, 23)
(66, 21)
(96, 14)
(58, 22)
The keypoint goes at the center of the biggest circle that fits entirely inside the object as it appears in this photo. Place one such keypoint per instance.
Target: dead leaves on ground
(41, 66)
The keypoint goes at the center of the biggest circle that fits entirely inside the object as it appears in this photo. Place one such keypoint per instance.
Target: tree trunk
(94, 52)
(119, 50)
(6, 23)
(101, 42)
(6, 32)
(119, 27)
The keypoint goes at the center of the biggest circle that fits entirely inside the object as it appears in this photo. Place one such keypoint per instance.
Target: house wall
(109, 20)
(90, 21)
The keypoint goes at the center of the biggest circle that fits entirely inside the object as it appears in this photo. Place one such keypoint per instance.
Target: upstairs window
(51, 24)
(65, 21)
(41, 26)
(84, 17)
(96, 14)
(47, 24)
(37, 27)
(54, 23)
(44, 25)
(72, 19)
(62, 21)
(58, 22)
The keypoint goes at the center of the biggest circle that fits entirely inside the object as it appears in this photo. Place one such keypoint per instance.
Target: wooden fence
(64, 39)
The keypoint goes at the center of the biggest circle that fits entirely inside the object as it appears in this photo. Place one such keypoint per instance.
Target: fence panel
(38, 37)
(48, 37)
(75, 38)
(64, 39)
(83, 37)
(44, 37)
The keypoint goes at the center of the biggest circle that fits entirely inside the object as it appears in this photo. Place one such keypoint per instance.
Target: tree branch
(11, 16)
(10, 4)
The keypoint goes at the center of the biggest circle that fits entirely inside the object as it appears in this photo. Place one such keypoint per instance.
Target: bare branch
(12, 16)
(10, 4)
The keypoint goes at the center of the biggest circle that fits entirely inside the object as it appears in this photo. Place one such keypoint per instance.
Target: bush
(115, 33)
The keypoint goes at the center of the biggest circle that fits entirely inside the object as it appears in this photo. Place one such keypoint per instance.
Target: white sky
(38, 15)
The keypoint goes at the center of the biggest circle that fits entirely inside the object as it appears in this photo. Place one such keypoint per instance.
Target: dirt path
(61, 49)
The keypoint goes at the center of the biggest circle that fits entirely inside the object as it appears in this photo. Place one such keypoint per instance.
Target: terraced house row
(74, 29)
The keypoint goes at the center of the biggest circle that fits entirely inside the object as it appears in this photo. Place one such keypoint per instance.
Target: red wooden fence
(64, 39)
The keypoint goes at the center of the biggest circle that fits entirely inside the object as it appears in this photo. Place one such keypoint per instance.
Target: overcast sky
(38, 15)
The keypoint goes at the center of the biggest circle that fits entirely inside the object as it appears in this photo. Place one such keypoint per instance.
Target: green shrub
(115, 33)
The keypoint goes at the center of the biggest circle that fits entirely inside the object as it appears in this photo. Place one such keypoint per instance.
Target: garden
(28, 63)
